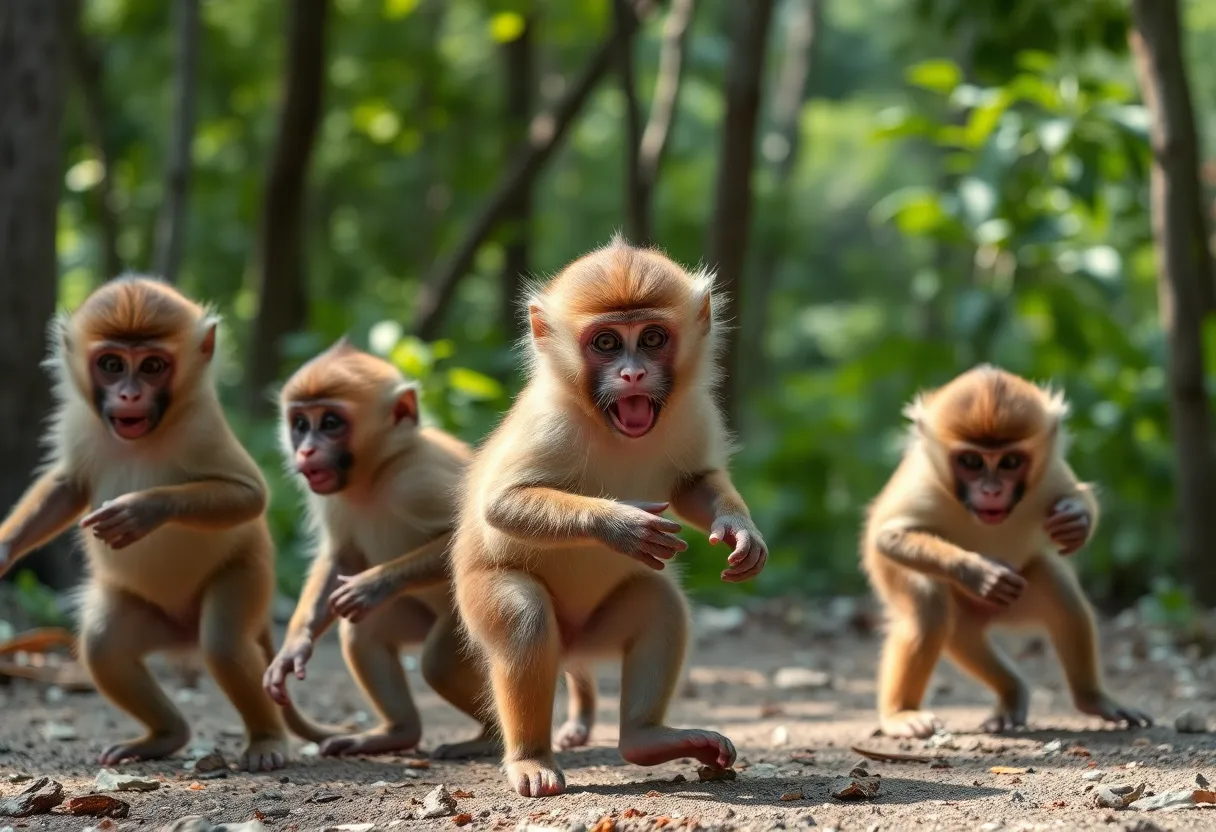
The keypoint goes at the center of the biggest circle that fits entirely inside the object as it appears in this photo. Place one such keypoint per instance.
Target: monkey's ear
(705, 313)
(536, 319)
(405, 406)
(207, 345)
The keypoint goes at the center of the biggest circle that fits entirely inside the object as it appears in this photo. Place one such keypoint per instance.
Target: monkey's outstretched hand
(127, 519)
(750, 551)
(991, 581)
(638, 530)
(357, 595)
(292, 658)
(1068, 524)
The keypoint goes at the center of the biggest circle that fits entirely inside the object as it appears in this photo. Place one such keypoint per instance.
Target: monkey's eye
(970, 461)
(606, 342)
(1011, 462)
(653, 338)
(111, 363)
(152, 365)
(331, 422)
(300, 424)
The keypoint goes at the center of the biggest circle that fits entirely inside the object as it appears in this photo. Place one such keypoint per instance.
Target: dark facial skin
(629, 359)
(320, 436)
(131, 386)
(990, 482)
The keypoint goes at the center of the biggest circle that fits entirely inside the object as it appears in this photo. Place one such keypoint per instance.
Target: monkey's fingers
(666, 540)
(750, 564)
(648, 507)
(108, 509)
(651, 557)
(275, 682)
(1066, 519)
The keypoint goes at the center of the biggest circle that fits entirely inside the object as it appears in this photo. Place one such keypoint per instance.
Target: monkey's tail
(299, 724)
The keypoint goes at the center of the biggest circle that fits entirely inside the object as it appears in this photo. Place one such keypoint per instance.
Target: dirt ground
(794, 745)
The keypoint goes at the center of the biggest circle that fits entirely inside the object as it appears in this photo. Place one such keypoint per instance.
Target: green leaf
(474, 384)
(507, 26)
(397, 9)
(940, 75)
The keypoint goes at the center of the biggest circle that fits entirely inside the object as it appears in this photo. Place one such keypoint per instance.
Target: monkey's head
(343, 412)
(626, 330)
(134, 349)
(991, 434)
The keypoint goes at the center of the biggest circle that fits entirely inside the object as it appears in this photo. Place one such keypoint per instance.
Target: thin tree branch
(545, 135)
(733, 203)
(637, 209)
(88, 72)
(171, 226)
(517, 217)
(666, 94)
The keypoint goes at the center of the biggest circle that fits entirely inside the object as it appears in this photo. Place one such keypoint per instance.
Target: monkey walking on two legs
(178, 549)
(969, 532)
(382, 505)
(560, 547)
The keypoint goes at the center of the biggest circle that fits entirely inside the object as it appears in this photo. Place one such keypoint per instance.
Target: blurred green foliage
(971, 186)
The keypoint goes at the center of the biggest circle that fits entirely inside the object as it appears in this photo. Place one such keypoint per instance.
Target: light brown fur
(542, 554)
(389, 528)
(200, 573)
(938, 570)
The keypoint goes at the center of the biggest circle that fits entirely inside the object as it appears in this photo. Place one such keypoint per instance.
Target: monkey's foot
(1009, 714)
(150, 747)
(918, 724)
(480, 747)
(659, 744)
(383, 740)
(536, 778)
(574, 733)
(264, 754)
(1110, 710)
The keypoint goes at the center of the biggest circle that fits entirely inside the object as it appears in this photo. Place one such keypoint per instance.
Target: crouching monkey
(561, 543)
(178, 550)
(381, 501)
(969, 532)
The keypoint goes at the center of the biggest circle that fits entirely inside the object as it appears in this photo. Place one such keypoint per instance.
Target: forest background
(891, 190)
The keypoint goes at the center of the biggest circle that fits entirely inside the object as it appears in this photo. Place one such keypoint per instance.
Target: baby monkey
(178, 549)
(381, 503)
(969, 533)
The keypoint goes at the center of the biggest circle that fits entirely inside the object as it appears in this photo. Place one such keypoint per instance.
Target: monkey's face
(131, 386)
(990, 483)
(629, 371)
(321, 435)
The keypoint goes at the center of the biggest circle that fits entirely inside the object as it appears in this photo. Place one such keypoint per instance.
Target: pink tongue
(634, 411)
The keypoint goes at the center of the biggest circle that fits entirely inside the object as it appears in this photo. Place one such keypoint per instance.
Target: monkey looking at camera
(178, 550)
(381, 501)
(561, 545)
(968, 533)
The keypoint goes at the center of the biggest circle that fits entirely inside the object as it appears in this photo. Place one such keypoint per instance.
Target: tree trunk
(171, 225)
(517, 216)
(35, 45)
(544, 136)
(801, 39)
(733, 204)
(663, 104)
(637, 208)
(87, 71)
(1183, 264)
(283, 288)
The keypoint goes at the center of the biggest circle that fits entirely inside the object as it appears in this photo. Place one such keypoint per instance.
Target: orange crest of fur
(344, 373)
(135, 309)
(989, 406)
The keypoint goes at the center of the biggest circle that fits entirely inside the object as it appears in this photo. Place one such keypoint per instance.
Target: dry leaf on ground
(859, 785)
(98, 806)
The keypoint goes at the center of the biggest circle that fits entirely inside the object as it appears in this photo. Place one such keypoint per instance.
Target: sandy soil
(793, 743)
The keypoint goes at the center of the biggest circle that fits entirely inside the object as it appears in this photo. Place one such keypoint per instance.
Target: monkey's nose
(633, 374)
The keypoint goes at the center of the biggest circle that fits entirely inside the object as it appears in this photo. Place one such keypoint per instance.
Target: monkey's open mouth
(322, 480)
(634, 416)
(991, 516)
(131, 427)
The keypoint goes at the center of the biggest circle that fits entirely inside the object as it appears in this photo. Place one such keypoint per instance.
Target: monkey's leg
(117, 632)
(970, 648)
(372, 649)
(919, 623)
(461, 679)
(647, 617)
(511, 615)
(580, 712)
(234, 611)
(1054, 598)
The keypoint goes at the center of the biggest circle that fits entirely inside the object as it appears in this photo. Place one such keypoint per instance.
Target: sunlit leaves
(507, 26)
(473, 384)
(940, 76)
(397, 9)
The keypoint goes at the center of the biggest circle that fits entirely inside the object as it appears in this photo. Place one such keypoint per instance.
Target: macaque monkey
(382, 506)
(174, 531)
(562, 543)
(969, 532)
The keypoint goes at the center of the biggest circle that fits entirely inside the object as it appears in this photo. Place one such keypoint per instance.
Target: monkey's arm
(938, 558)
(47, 508)
(710, 502)
(313, 615)
(420, 568)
